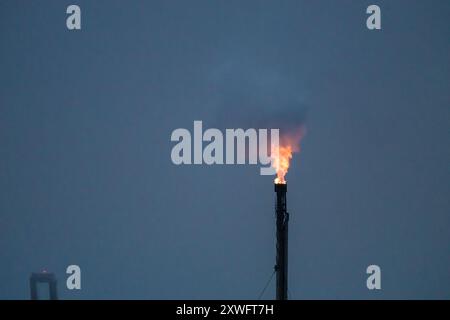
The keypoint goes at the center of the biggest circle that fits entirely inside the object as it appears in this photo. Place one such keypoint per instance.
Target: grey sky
(86, 176)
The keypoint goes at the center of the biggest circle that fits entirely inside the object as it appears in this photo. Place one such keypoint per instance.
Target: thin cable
(267, 284)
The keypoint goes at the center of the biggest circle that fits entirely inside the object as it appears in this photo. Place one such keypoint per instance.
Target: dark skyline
(86, 176)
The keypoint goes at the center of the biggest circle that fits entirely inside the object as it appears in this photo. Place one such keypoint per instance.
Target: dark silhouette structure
(43, 277)
(282, 219)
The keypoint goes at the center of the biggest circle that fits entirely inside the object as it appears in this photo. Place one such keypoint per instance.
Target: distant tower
(43, 277)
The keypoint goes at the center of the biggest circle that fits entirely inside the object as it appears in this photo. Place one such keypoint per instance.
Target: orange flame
(281, 162)
(281, 156)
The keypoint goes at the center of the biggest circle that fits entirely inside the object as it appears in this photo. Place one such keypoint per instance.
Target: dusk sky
(86, 175)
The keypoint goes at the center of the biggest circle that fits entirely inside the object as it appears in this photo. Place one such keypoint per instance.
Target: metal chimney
(282, 219)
